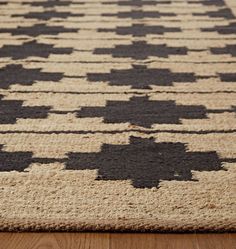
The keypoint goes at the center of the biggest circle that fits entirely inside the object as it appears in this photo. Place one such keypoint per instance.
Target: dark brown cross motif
(221, 13)
(141, 111)
(11, 110)
(224, 30)
(31, 48)
(20, 160)
(138, 30)
(140, 14)
(139, 3)
(228, 77)
(51, 3)
(144, 162)
(141, 77)
(208, 2)
(17, 161)
(47, 15)
(38, 29)
(142, 50)
(17, 74)
(228, 49)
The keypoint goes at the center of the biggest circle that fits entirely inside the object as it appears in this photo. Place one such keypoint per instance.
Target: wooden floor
(116, 241)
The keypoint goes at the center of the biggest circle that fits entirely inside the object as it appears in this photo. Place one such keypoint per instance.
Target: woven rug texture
(118, 115)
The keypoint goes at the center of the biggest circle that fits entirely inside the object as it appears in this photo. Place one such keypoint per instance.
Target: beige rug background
(118, 115)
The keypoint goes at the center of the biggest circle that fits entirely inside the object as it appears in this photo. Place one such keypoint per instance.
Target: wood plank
(83, 240)
(54, 240)
(219, 241)
(116, 241)
(157, 241)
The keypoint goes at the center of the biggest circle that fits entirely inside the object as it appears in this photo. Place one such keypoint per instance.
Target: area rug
(118, 115)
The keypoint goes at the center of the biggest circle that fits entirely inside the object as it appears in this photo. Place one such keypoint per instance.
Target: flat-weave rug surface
(118, 115)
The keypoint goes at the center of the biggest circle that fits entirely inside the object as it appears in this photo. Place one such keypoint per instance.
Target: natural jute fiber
(118, 115)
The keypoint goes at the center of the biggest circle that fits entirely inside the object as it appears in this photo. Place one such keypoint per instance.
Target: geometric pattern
(47, 15)
(38, 29)
(141, 77)
(138, 3)
(32, 48)
(208, 2)
(163, 161)
(13, 73)
(11, 110)
(52, 3)
(222, 13)
(228, 49)
(222, 29)
(19, 160)
(139, 14)
(137, 30)
(228, 77)
(14, 161)
(140, 50)
(141, 111)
